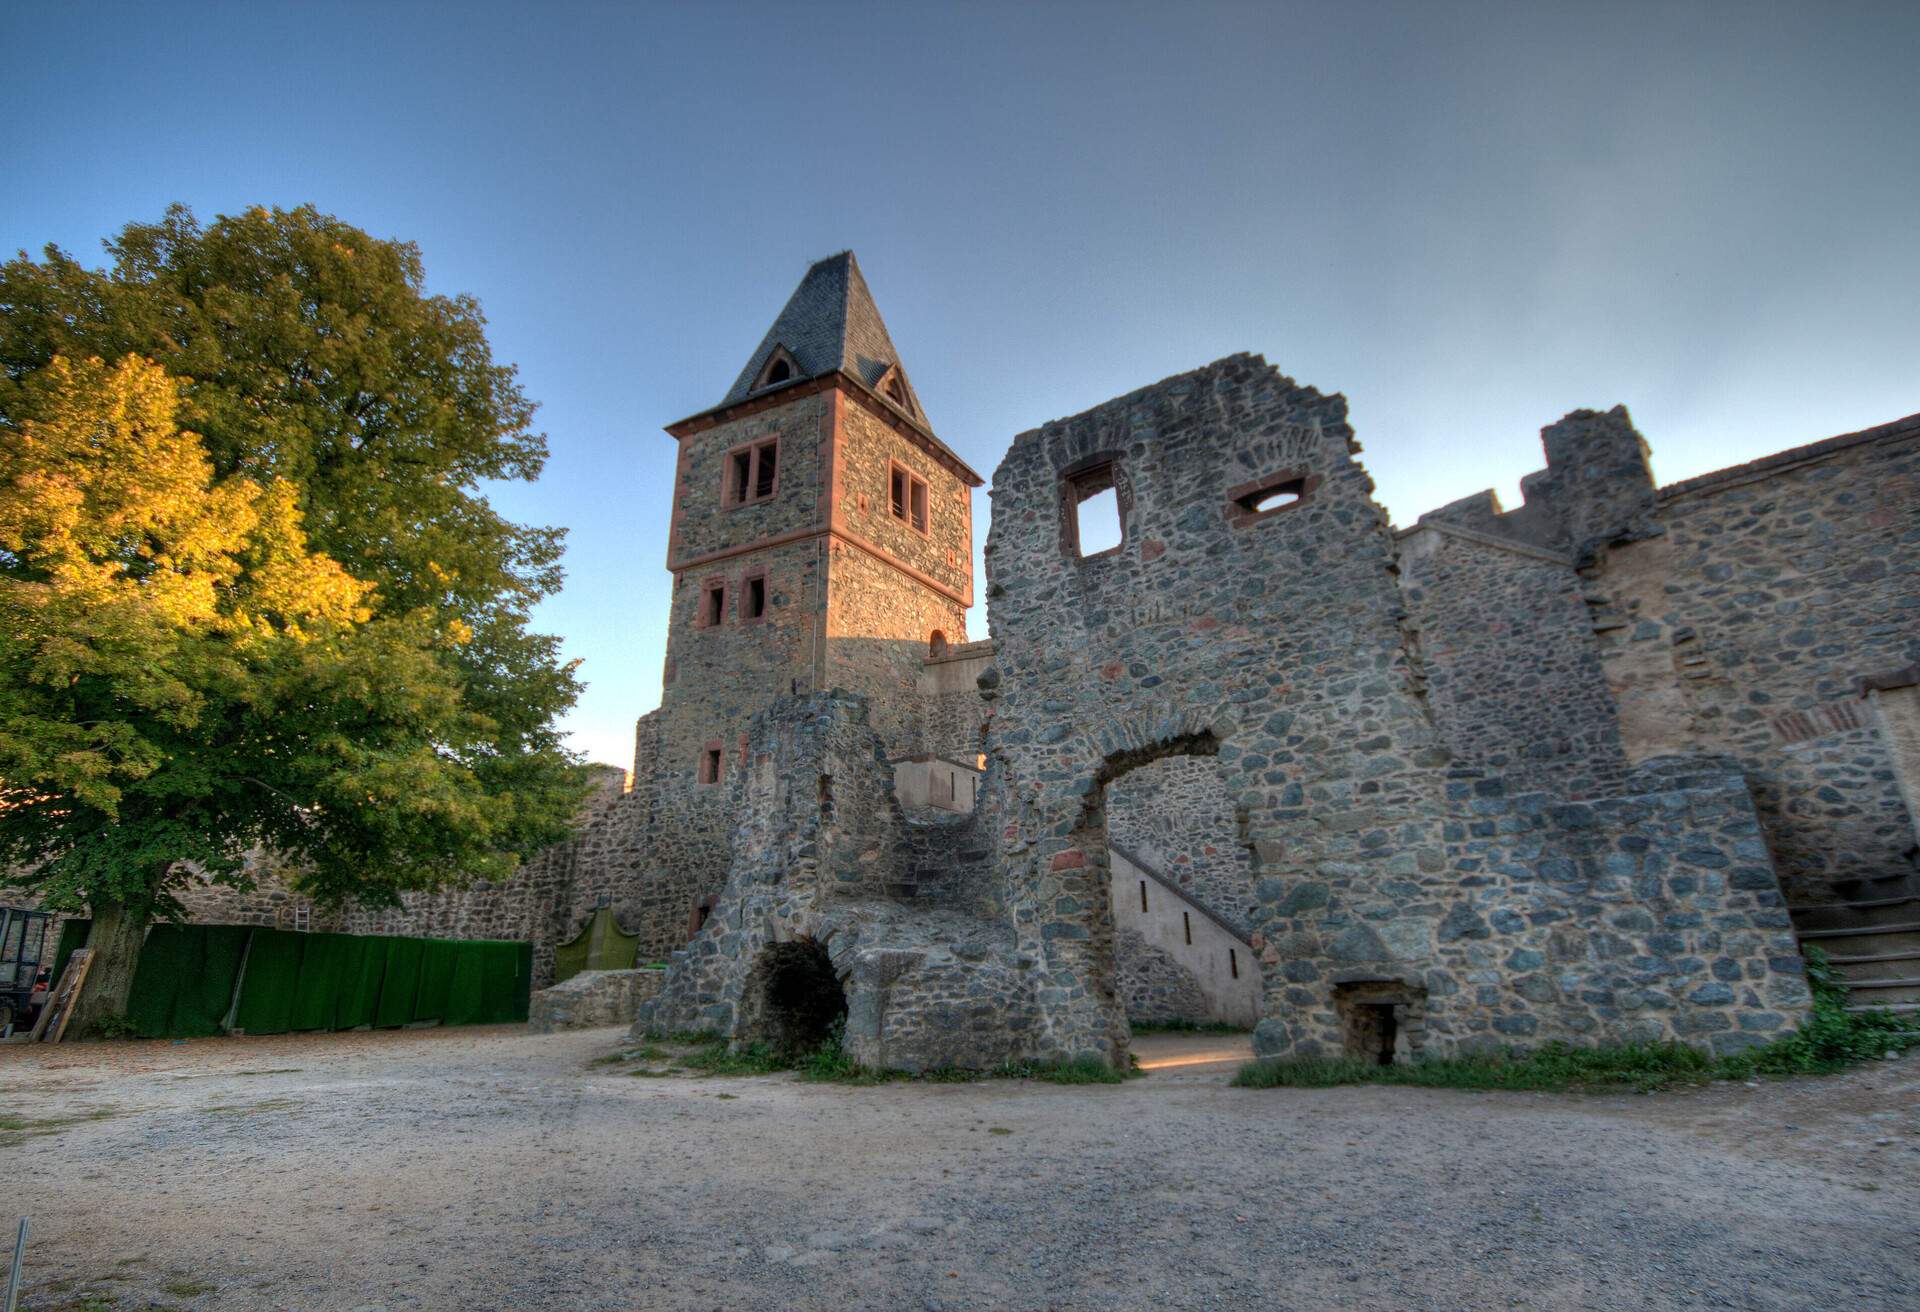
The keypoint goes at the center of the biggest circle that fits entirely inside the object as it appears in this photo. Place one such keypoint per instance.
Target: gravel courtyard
(490, 1169)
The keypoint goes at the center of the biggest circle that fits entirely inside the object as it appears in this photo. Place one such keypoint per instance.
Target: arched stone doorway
(793, 999)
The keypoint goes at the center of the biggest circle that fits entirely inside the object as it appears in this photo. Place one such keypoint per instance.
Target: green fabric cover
(522, 980)
(502, 966)
(171, 957)
(322, 981)
(201, 1005)
(466, 998)
(272, 979)
(436, 978)
(361, 972)
(401, 985)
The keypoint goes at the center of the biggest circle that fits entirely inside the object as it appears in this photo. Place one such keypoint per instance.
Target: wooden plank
(59, 1009)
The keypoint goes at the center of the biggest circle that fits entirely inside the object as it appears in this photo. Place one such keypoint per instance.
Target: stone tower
(821, 537)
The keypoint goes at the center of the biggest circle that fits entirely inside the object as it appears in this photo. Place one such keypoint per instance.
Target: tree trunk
(118, 933)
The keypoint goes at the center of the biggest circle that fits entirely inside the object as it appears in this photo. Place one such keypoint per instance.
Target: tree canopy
(251, 590)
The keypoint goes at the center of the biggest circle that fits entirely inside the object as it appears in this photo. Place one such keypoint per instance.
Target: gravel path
(490, 1169)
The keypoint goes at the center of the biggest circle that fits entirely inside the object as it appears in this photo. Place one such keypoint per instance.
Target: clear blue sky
(1468, 218)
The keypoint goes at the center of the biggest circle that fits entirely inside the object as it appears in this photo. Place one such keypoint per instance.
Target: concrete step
(1854, 915)
(1898, 1008)
(1876, 965)
(1865, 940)
(1880, 992)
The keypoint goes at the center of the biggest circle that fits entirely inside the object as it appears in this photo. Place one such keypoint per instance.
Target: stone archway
(793, 999)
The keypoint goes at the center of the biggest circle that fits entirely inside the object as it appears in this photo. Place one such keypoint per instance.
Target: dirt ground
(488, 1168)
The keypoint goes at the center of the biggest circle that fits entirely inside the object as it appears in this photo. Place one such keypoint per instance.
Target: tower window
(753, 473)
(907, 497)
(713, 606)
(712, 762)
(779, 373)
(754, 603)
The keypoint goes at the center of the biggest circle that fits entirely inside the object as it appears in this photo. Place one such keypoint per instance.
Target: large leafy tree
(298, 448)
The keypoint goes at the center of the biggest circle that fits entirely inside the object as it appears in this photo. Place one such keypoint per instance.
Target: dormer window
(893, 385)
(780, 367)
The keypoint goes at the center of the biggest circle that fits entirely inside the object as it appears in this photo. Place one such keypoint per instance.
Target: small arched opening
(793, 999)
(937, 643)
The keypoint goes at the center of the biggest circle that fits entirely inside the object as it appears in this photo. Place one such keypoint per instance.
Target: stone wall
(591, 999)
(823, 867)
(1270, 636)
(1512, 673)
(1743, 626)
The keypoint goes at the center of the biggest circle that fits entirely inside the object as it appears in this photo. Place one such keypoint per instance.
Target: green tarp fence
(198, 980)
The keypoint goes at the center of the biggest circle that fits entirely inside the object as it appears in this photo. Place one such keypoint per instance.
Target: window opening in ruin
(756, 598)
(1274, 497)
(1186, 923)
(716, 604)
(826, 797)
(1099, 520)
(710, 766)
(937, 644)
(752, 473)
(907, 497)
(1252, 502)
(1143, 895)
(794, 999)
(1233, 963)
(1376, 1016)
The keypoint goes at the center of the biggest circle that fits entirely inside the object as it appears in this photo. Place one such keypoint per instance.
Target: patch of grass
(112, 1027)
(1080, 1070)
(1831, 1039)
(188, 1288)
(16, 1130)
(714, 1058)
(1187, 1027)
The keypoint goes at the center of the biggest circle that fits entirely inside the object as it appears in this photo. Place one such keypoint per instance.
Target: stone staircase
(1872, 937)
(945, 860)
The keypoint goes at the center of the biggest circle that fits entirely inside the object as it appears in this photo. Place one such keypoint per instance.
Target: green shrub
(114, 1027)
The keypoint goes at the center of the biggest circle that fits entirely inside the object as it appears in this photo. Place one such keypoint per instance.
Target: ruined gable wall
(1280, 637)
(1513, 674)
(1506, 916)
(1742, 626)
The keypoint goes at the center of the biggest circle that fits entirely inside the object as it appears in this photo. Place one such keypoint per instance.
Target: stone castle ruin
(1591, 769)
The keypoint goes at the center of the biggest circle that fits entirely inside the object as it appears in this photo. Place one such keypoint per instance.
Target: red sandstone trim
(851, 539)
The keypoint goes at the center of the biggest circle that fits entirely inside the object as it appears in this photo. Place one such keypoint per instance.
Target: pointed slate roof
(830, 322)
